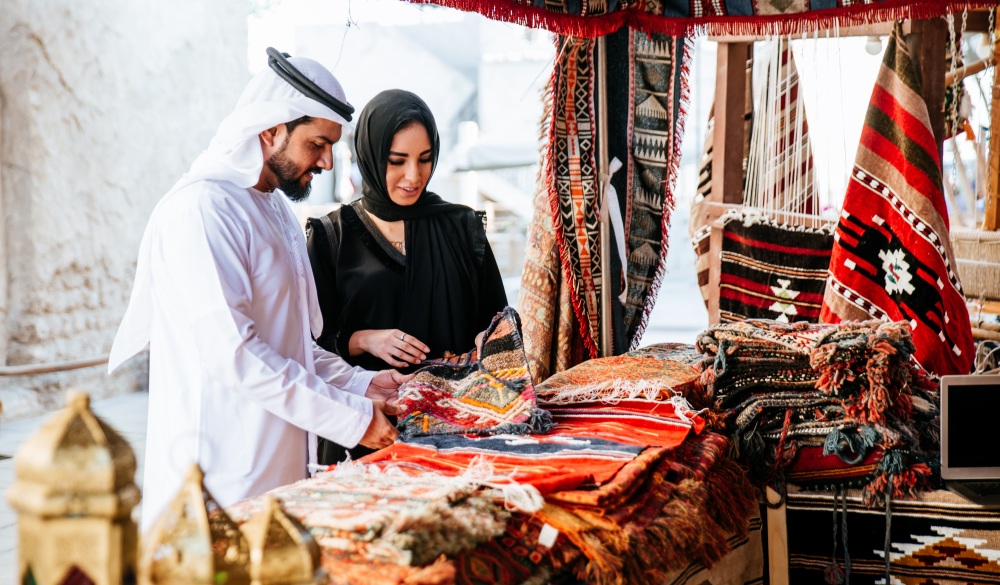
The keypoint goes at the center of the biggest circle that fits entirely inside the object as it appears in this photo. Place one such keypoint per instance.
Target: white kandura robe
(234, 373)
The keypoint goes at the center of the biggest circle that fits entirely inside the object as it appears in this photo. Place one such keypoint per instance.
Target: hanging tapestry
(653, 99)
(892, 258)
(771, 270)
(712, 17)
(658, 94)
(387, 516)
(938, 539)
(571, 176)
(552, 341)
(492, 395)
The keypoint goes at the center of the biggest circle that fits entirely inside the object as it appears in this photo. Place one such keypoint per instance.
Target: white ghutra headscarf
(234, 156)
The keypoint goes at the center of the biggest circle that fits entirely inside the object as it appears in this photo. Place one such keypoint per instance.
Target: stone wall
(102, 107)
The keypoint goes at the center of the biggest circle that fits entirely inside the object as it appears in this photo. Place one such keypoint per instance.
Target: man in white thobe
(225, 299)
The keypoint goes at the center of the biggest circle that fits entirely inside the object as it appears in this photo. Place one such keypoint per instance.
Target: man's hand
(380, 432)
(385, 385)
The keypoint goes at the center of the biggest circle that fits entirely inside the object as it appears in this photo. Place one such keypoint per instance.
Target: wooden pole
(991, 219)
(607, 342)
(932, 36)
(727, 150)
(727, 139)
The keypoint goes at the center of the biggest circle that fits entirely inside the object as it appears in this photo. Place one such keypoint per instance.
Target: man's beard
(289, 179)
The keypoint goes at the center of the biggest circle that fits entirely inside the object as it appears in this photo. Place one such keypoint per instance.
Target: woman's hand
(392, 346)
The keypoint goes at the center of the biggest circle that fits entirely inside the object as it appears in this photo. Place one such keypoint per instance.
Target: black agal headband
(288, 72)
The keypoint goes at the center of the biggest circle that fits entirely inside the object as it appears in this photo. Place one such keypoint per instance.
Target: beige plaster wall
(103, 105)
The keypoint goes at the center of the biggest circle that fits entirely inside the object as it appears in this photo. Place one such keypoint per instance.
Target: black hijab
(442, 258)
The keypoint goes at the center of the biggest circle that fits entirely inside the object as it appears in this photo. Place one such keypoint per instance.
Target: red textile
(892, 257)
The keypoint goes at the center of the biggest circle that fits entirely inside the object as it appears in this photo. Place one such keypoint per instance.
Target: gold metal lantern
(74, 493)
(282, 551)
(194, 542)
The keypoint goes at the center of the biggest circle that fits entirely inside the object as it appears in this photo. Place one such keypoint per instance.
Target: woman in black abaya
(402, 275)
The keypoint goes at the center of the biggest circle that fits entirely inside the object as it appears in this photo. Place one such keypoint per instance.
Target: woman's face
(410, 163)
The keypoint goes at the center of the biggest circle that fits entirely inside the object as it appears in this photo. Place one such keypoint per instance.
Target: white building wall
(103, 105)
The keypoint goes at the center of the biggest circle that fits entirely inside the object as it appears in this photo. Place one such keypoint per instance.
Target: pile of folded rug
(823, 405)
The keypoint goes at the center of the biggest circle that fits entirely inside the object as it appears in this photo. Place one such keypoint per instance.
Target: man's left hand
(385, 385)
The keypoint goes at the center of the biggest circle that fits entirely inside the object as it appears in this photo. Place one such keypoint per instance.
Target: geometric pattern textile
(490, 396)
(658, 91)
(771, 270)
(937, 539)
(892, 258)
(572, 181)
(713, 17)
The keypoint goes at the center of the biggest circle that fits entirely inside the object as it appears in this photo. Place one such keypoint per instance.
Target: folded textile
(659, 513)
(388, 516)
(614, 378)
(492, 395)
(685, 353)
(824, 404)
(547, 462)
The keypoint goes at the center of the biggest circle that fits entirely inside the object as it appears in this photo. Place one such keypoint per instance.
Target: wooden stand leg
(777, 541)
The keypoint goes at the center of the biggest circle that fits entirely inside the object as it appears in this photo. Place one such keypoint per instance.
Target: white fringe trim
(621, 390)
(479, 475)
(751, 216)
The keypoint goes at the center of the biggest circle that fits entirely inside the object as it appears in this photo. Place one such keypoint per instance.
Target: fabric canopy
(593, 18)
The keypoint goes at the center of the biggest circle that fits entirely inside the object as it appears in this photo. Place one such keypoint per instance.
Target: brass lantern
(74, 493)
(282, 551)
(194, 542)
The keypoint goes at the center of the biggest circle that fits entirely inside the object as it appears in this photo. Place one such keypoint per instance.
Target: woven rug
(387, 516)
(492, 395)
(588, 446)
(655, 516)
(771, 270)
(614, 378)
(685, 353)
(938, 539)
(892, 258)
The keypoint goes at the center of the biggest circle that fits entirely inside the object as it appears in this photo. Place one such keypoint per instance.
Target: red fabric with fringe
(766, 19)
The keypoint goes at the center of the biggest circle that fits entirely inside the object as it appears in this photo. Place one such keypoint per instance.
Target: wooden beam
(931, 39)
(727, 138)
(992, 217)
